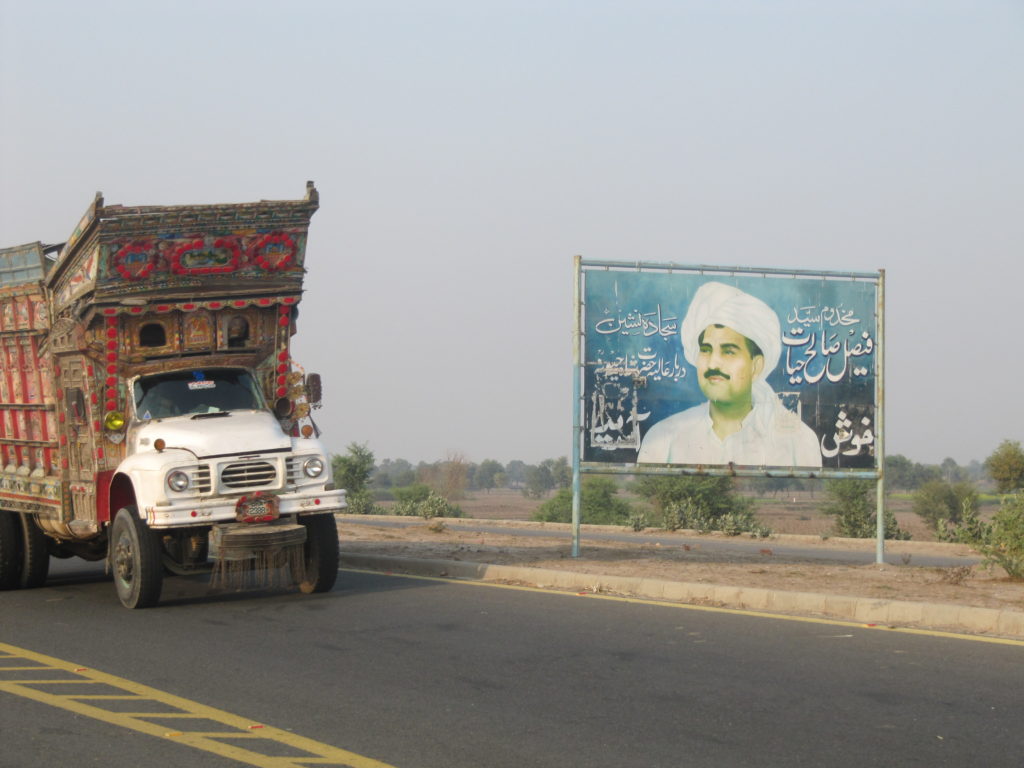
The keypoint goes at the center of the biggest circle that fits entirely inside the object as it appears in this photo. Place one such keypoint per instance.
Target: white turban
(720, 304)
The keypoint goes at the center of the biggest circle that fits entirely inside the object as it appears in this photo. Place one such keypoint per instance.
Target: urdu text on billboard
(730, 369)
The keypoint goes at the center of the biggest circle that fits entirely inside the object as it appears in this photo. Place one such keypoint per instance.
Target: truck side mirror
(314, 390)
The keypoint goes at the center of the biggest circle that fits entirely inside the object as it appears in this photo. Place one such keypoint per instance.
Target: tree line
(1003, 471)
(357, 470)
(365, 480)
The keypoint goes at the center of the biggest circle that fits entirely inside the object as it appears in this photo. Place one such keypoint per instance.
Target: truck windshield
(190, 392)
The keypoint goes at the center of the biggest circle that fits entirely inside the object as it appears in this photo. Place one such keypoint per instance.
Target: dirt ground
(795, 523)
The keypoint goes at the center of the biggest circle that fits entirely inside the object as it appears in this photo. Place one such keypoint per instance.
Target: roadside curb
(862, 610)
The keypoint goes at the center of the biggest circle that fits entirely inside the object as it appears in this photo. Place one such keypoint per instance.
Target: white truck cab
(201, 439)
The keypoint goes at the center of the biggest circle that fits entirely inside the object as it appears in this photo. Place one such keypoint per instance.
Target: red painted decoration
(135, 261)
(197, 258)
(274, 251)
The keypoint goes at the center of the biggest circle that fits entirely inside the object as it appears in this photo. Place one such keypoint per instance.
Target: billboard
(729, 369)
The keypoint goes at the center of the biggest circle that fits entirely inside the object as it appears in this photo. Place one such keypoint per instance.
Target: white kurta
(770, 436)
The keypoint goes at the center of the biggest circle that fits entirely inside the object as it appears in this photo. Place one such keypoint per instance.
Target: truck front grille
(248, 474)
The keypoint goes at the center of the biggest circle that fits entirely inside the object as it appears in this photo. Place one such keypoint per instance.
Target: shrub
(853, 502)
(941, 503)
(436, 505)
(1000, 542)
(414, 493)
(701, 503)
(405, 508)
(598, 504)
(361, 503)
(689, 514)
(431, 506)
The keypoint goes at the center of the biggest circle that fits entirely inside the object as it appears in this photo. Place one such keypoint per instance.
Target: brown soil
(798, 524)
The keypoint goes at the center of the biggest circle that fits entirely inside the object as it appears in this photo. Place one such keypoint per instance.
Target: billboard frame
(582, 266)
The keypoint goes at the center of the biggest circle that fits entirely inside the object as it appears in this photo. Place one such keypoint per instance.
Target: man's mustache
(715, 372)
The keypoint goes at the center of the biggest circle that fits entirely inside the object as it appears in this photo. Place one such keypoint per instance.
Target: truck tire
(135, 560)
(35, 557)
(10, 551)
(320, 554)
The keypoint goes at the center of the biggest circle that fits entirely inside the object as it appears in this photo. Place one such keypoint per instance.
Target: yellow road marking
(57, 673)
(707, 608)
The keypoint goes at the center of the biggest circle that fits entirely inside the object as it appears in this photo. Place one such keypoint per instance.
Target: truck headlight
(177, 481)
(313, 467)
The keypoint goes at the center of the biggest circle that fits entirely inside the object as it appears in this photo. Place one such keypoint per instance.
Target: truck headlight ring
(177, 481)
(313, 467)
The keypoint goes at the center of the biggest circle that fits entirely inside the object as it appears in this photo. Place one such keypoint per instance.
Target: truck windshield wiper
(211, 415)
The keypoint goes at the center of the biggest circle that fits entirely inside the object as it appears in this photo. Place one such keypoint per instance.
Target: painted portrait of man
(734, 341)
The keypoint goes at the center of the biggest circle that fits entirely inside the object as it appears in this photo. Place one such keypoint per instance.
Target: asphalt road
(782, 550)
(430, 674)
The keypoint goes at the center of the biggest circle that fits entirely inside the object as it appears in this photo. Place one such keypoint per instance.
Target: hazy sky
(465, 151)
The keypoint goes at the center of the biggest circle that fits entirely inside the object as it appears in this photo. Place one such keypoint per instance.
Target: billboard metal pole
(880, 422)
(577, 405)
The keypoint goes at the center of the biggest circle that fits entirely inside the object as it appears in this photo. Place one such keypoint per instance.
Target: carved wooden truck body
(150, 412)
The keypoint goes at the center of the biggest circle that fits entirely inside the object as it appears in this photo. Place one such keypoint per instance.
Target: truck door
(79, 420)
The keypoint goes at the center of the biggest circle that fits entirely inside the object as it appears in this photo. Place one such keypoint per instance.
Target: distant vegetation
(454, 476)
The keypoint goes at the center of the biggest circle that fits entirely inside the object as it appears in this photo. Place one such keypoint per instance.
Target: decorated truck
(150, 411)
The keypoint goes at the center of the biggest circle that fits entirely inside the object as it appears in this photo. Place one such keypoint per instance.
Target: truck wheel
(35, 559)
(135, 560)
(10, 551)
(320, 553)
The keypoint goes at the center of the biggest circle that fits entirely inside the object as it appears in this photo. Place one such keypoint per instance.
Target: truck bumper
(222, 508)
